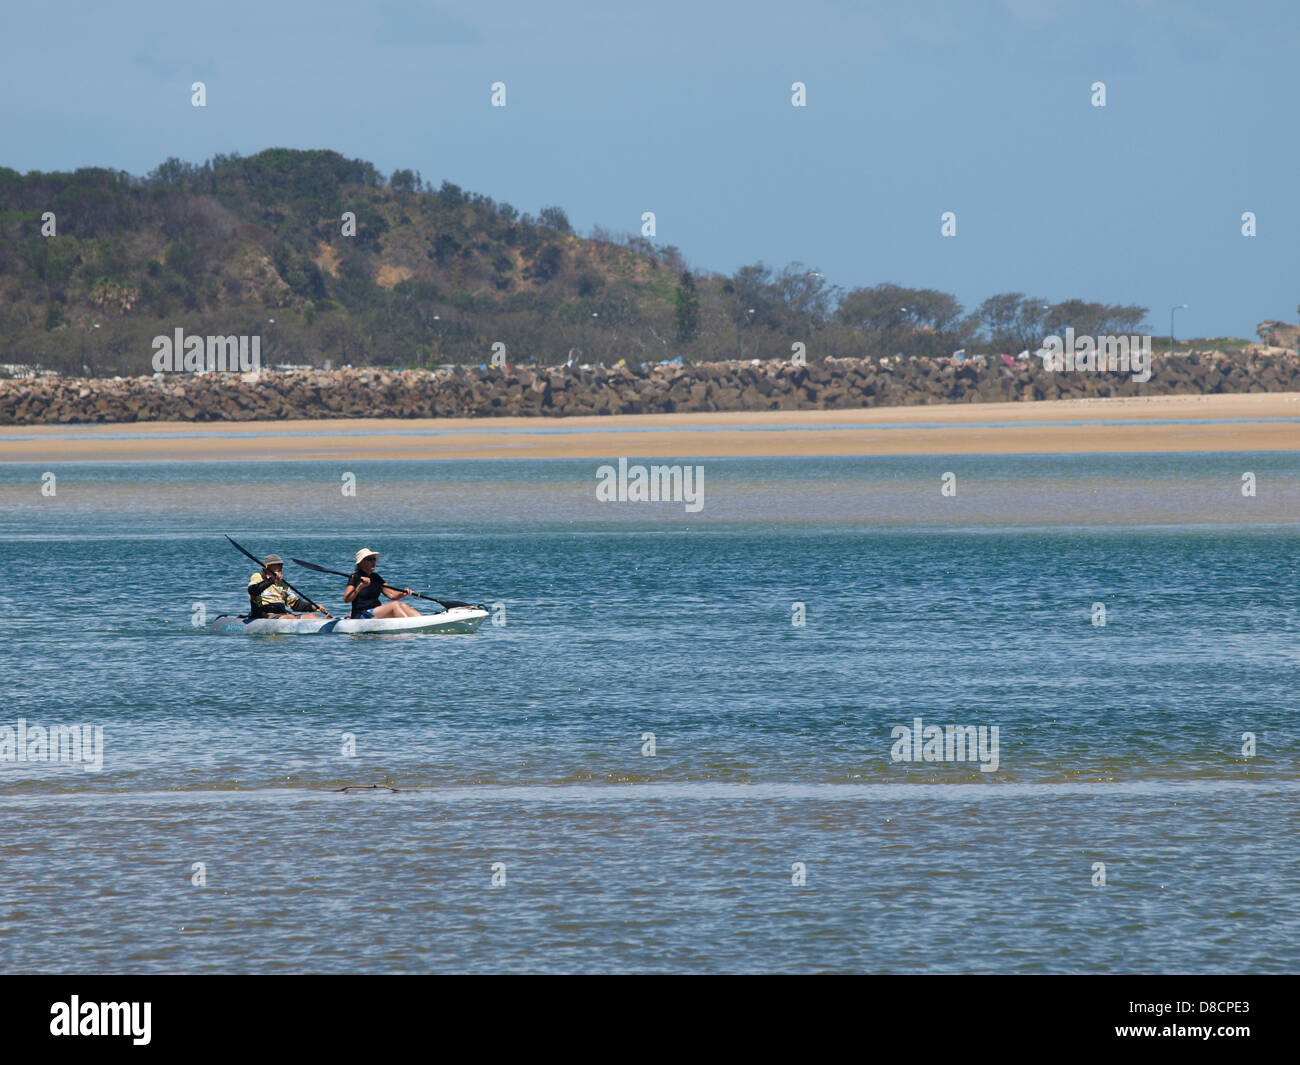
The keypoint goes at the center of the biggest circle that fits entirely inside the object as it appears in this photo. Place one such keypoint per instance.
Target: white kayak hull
(456, 620)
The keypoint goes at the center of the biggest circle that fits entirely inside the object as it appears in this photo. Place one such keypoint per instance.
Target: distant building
(1279, 334)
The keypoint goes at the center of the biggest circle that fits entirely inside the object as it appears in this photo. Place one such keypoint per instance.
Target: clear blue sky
(682, 107)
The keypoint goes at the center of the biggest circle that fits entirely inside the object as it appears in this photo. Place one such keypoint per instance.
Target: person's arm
(351, 591)
(255, 590)
(396, 593)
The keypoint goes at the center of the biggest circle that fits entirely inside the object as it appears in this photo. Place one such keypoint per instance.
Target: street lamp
(739, 353)
(84, 368)
(1180, 307)
(897, 323)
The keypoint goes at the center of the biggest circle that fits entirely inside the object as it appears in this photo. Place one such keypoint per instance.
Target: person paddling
(364, 589)
(268, 595)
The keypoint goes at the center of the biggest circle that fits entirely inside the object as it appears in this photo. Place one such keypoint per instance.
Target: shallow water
(527, 743)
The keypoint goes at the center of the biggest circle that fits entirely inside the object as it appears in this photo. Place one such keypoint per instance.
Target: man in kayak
(269, 596)
(364, 589)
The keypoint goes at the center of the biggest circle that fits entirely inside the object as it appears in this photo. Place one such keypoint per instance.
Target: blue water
(527, 743)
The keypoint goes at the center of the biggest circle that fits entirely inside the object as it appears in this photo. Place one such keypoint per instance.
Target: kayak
(458, 619)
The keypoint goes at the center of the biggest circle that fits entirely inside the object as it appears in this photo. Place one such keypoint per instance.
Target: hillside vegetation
(257, 246)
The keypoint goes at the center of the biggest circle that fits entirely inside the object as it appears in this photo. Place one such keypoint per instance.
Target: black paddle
(446, 603)
(314, 605)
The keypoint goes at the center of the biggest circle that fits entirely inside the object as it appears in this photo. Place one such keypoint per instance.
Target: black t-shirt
(368, 597)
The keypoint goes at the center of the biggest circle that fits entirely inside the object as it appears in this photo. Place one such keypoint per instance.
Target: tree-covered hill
(325, 258)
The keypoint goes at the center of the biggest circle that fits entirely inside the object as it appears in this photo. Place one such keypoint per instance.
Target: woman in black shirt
(365, 587)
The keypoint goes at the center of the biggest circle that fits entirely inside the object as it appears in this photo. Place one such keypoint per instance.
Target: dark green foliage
(549, 263)
(554, 218)
(440, 274)
(181, 260)
(1014, 322)
(445, 248)
(51, 259)
(450, 195)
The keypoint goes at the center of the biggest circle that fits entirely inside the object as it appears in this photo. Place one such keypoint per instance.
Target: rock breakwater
(486, 392)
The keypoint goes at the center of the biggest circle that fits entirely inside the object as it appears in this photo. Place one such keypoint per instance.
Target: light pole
(1180, 307)
(811, 322)
(897, 323)
(739, 353)
(84, 368)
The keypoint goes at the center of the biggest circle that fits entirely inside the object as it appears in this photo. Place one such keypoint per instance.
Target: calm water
(524, 744)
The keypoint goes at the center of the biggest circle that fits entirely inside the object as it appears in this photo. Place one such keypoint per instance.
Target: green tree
(912, 321)
(804, 298)
(751, 289)
(554, 218)
(549, 263)
(180, 257)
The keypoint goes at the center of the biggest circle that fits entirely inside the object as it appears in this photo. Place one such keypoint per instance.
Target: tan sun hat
(365, 552)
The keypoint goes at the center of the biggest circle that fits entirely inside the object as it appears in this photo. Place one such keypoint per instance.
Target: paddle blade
(318, 569)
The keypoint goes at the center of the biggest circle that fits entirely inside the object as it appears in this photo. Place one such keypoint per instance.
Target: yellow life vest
(276, 593)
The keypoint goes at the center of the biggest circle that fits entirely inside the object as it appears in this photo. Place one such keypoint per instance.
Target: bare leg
(395, 610)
